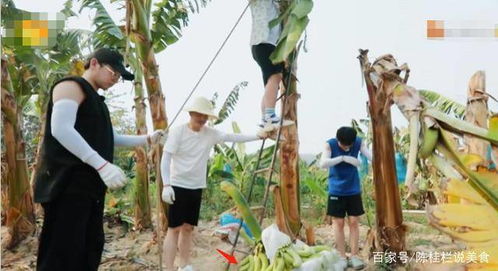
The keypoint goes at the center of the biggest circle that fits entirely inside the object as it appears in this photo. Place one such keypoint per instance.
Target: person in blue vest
(77, 165)
(341, 158)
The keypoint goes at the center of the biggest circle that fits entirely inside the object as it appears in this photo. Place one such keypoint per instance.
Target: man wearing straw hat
(183, 167)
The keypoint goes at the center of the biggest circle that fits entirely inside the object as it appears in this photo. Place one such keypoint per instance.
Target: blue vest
(343, 177)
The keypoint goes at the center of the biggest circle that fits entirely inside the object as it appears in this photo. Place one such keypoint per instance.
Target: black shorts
(339, 206)
(261, 53)
(185, 208)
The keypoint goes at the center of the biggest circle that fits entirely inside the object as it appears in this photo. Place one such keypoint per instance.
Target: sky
(330, 82)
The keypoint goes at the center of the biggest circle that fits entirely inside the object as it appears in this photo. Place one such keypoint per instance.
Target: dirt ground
(130, 251)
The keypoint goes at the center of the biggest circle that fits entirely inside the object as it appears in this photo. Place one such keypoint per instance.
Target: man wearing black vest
(76, 167)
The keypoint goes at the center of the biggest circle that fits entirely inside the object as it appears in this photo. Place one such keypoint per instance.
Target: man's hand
(168, 194)
(351, 160)
(112, 176)
(262, 134)
(158, 136)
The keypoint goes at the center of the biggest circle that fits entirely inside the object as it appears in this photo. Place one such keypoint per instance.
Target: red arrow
(230, 258)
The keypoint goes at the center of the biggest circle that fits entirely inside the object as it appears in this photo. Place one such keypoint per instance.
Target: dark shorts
(185, 208)
(261, 53)
(339, 206)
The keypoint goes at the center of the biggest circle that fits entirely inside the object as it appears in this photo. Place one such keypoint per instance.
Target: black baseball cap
(114, 59)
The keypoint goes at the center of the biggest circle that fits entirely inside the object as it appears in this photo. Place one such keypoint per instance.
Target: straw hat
(203, 106)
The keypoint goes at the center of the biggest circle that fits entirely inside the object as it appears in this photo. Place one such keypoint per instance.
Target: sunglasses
(113, 73)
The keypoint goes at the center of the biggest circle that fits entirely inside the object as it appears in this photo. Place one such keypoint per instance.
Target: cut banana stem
(412, 156)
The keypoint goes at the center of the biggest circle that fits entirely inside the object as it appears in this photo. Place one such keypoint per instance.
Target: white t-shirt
(190, 153)
(263, 12)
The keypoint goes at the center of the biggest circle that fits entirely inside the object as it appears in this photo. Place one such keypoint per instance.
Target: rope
(209, 65)
(183, 105)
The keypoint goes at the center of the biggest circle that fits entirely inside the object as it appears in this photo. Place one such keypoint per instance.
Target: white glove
(351, 160)
(158, 136)
(112, 176)
(262, 134)
(168, 195)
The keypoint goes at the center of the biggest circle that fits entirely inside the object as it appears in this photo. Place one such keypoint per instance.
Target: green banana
(320, 248)
(245, 268)
(429, 141)
(296, 260)
(305, 252)
(279, 264)
(270, 267)
(251, 263)
(257, 263)
(245, 260)
(263, 260)
(287, 258)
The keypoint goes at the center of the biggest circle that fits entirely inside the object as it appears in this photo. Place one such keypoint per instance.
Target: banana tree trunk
(142, 200)
(289, 149)
(389, 219)
(476, 113)
(20, 218)
(43, 118)
(289, 163)
(145, 52)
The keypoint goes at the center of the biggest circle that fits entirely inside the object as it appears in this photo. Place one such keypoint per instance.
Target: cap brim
(124, 73)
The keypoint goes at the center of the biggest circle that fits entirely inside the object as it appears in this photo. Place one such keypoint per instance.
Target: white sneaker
(186, 268)
(273, 123)
(274, 119)
(356, 263)
(341, 264)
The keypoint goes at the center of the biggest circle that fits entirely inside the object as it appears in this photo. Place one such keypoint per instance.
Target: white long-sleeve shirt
(326, 161)
(186, 152)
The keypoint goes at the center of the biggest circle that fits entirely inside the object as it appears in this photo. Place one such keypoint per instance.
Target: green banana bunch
(256, 261)
(286, 258)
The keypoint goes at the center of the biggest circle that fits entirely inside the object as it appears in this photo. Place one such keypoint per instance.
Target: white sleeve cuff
(165, 168)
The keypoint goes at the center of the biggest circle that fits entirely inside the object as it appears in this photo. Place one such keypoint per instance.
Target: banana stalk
(445, 167)
(412, 156)
(462, 127)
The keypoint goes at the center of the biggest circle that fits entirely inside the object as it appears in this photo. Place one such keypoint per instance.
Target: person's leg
(43, 260)
(64, 241)
(354, 234)
(272, 76)
(185, 244)
(170, 247)
(95, 235)
(271, 92)
(354, 210)
(338, 225)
